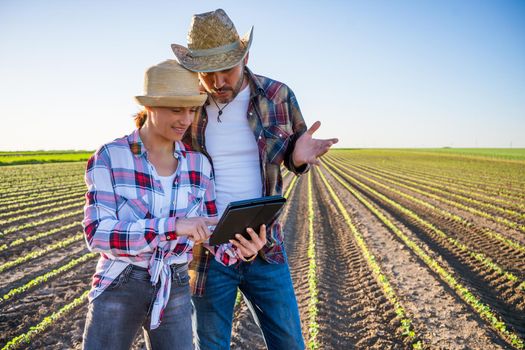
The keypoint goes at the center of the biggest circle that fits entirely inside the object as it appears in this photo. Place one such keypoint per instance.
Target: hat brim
(172, 101)
(213, 63)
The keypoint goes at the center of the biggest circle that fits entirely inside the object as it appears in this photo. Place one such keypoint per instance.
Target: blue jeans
(115, 316)
(268, 291)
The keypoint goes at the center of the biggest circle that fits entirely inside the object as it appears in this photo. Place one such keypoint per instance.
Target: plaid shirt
(276, 121)
(118, 222)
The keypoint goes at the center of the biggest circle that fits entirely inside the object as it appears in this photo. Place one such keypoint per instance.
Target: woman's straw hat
(213, 43)
(168, 84)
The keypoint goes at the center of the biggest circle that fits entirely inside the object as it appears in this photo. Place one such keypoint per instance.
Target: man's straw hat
(213, 43)
(168, 84)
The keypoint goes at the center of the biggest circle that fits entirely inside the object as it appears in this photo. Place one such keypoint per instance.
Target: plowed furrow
(19, 315)
(353, 310)
(468, 232)
(427, 298)
(515, 216)
(480, 279)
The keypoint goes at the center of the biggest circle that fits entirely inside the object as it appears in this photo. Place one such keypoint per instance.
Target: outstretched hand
(307, 149)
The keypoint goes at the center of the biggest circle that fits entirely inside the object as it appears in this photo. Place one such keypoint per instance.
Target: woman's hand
(246, 249)
(195, 228)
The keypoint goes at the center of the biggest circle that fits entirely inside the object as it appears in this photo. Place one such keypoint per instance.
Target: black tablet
(240, 215)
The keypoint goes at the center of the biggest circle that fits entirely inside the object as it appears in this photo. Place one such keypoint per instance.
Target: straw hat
(168, 84)
(213, 43)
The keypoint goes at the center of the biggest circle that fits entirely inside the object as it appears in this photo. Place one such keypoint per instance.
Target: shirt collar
(137, 147)
(255, 86)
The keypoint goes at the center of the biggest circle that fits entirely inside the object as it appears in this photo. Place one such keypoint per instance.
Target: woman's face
(171, 122)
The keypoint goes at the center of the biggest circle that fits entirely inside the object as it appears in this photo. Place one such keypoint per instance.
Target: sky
(384, 73)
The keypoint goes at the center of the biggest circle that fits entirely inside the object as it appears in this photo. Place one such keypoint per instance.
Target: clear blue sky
(376, 73)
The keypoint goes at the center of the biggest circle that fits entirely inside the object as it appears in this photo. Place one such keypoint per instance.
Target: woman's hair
(140, 118)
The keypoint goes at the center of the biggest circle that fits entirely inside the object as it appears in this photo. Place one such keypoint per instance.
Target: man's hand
(308, 149)
(195, 228)
(248, 248)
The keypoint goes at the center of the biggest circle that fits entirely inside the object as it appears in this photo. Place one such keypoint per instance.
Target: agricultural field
(37, 157)
(388, 249)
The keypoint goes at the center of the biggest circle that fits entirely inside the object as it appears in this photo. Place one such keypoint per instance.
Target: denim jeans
(115, 317)
(268, 291)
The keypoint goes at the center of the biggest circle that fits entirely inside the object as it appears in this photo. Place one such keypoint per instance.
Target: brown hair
(140, 118)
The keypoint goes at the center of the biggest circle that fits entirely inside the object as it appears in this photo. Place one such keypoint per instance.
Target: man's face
(223, 85)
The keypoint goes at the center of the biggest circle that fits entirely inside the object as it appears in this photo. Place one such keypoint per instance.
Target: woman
(149, 200)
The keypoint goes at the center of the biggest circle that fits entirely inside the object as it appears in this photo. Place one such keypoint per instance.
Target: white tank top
(234, 152)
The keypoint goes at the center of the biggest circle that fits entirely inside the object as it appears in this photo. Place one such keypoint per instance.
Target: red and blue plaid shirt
(118, 221)
(276, 121)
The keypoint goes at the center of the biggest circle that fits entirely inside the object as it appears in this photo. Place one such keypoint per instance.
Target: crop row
(445, 239)
(39, 181)
(19, 241)
(313, 326)
(25, 338)
(498, 178)
(45, 277)
(452, 216)
(459, 172)
(483, 310)
(381, 278)
(472, 210)
(435, 189)
(76, 201)
(44, 221)
(40, 252)
(34, 193)
(17, 191)
(448, 185)
(42, 212)
(46, 197)
(39, 171)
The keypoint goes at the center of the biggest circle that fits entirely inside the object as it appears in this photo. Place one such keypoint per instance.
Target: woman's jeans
(115, 316)
(267, 290)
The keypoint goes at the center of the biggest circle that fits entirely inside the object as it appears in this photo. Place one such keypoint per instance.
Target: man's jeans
(115, 316)
(268, 291)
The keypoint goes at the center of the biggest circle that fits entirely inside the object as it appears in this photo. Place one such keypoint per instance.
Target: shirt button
(207, 252)
(251, 113)
(260, 137)
(168, 238)
(280, 135)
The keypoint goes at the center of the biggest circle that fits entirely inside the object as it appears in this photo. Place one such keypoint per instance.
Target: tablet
(240, 215)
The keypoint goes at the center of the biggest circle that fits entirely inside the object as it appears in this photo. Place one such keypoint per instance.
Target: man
(248, 128)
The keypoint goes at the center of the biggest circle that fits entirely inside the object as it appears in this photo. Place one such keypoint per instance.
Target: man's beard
(235, 91)
(224, 99)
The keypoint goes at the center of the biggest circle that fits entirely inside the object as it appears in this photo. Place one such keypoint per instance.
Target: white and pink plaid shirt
(118, 221)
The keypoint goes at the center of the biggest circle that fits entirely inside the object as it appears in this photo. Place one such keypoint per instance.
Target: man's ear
(246, 58)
